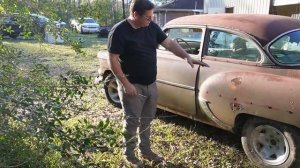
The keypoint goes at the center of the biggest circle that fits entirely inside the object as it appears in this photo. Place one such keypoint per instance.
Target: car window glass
(188, 38)
(3, 19)
(228, 45)
(286, 49)
(89, 21)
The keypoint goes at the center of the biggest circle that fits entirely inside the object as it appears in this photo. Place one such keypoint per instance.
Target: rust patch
(236, 106)
(274, 78)
(236, 81)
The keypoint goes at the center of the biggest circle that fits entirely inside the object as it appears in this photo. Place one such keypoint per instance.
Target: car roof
(40, 16)
(264, 28)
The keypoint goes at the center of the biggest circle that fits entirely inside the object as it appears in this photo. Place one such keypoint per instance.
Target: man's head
(142, 12)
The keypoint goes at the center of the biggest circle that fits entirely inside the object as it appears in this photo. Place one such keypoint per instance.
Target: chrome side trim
(204, 105)
(185, 115)
(175, 84)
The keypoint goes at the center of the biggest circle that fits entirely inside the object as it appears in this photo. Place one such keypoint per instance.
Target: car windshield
(286, 49)
(44, 19)
(89, 21)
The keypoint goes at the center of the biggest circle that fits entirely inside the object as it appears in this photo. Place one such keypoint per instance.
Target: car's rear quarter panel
(266, 92)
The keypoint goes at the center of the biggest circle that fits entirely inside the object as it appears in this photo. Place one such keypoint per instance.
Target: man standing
(132, 47)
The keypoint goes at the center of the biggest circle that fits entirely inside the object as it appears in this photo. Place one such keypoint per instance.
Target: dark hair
(140, 6)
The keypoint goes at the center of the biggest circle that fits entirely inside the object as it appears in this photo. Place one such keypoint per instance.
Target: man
(132, 47)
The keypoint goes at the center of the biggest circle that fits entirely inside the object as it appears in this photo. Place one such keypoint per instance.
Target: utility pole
(123, 6)
(115, 9)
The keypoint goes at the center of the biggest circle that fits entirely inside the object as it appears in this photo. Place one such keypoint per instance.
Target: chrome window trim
(267, 48)
(202, 27)
(263, 59)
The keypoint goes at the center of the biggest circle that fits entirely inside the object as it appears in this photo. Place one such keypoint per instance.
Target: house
(247, 6)
(177, 8)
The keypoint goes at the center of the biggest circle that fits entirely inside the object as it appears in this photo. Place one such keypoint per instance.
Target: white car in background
(86, 25)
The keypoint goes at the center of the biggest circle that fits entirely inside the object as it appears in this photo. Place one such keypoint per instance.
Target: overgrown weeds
(36, 111)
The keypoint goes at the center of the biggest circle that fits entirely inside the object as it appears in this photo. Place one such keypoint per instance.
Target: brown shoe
(152, 156)
(133, 161)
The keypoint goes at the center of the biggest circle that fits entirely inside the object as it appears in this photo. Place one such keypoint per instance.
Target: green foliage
(35, 110)
(32, 28)
(1, 9)
(161, 2)
(107, 12)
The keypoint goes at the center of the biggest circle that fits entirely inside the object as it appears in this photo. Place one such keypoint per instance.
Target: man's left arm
(180, 52)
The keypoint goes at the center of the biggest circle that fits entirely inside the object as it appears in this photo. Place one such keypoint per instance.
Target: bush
(36, 110)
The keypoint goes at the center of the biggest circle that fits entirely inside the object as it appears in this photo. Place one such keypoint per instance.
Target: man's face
(144, 20)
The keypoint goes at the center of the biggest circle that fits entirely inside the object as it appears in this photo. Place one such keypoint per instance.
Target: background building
(277, 7)
(178, 8)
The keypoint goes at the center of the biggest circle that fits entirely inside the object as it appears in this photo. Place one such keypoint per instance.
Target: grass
(183, 142)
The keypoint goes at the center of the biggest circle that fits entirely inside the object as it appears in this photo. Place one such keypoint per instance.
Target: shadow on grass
(221, 136)
(87, 40)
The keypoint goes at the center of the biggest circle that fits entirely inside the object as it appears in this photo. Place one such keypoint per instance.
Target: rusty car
(249, 88)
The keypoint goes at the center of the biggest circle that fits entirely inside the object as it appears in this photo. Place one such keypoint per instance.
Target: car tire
(81, 30)
(111, 90)
(14, 36)
(103, 33)
(271, 144)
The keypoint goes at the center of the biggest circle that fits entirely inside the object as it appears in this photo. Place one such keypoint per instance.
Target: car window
(286, 49)
(188, 38)
(3, 19)
(43, 19)
(89, 21)
(12, 19)
(8, 19)
(228, 45)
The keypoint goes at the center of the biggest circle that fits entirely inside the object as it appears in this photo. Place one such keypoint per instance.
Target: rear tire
(81, 31)
(111, 90)
(14, 36)
(271, 144)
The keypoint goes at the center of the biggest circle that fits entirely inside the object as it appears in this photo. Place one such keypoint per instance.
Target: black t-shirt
(137, 49)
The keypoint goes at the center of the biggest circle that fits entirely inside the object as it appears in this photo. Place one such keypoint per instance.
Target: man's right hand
(130, 90)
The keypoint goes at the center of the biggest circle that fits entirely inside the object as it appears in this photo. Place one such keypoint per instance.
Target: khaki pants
(139, 112)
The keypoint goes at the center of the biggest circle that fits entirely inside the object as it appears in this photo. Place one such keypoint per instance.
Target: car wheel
(271, 144)
(111, 90)
(14, 36)
(81, 31)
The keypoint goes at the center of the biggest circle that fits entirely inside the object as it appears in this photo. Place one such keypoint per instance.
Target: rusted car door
(230, 65)
(176, 79)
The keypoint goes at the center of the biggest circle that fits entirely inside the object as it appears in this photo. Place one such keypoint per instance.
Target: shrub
(36, 110)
